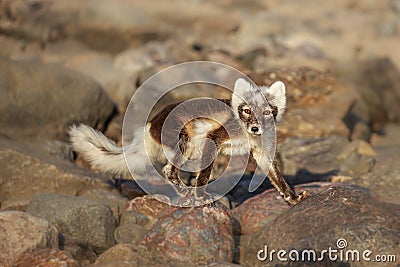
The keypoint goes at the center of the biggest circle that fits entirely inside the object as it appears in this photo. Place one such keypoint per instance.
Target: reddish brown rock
(148, 206)
(256, 212)
(128, 255)
(40, 173)
(200, 235)
(21, 232)
(338, 213)
(46, 258)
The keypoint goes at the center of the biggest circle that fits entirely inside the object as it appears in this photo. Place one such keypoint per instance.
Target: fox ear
(276, 96)
(241, 87)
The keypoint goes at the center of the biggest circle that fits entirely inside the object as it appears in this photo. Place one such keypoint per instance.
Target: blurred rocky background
(63, 62)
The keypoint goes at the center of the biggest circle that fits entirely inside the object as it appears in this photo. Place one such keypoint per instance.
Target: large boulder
(21, 232)
(201, 235)
(46, 258)
(128, 255)
(380, 88)
(384, 178)
(311, 158)
(25, 173)
(44, 99)
(256, 212)
(340, 218)
(80, 220)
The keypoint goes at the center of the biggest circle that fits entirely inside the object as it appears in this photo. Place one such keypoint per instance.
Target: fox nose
(254, 129)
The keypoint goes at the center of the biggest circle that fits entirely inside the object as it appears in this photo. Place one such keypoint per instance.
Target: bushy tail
(101, 152)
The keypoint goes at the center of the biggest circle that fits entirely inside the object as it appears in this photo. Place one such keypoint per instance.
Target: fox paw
(186, 201)
(205, 199)
(167, 170)
(303, 195)
(194, 200)
(295, 199)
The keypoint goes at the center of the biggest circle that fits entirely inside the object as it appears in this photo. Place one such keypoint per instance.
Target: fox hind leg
(209, 154)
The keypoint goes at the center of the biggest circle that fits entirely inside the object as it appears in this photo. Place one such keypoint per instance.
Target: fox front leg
(277, 180)
(171, 173)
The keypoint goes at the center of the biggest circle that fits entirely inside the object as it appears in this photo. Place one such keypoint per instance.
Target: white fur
(240, 88)
(103, 154)
(203, 126)
(236, 146)
(195, 146)
(276, 96)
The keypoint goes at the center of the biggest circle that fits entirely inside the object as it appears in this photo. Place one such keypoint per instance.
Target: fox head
(258, 108)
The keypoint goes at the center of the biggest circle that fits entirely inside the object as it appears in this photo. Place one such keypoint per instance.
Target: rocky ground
(63, 62)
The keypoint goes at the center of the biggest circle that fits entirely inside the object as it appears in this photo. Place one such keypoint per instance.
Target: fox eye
(267, 112)
(247, 111)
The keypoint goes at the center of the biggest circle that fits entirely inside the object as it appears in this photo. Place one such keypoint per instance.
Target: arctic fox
(237, 130)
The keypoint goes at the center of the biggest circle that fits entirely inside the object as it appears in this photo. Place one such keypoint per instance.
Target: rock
(384, 179)
(357, 158)
(132, 227)
(320, 221)
(200, 235)
(82, 255)
(384, 184)
(358, 120)
(9, 45)
(40, 173)
(135, 60)
(80, 220)
(55, 148)
(387, 147)
(21, 232)
(388, 137)
(129, 233)
(380, 87)
(256, 212)
(312, 96)
(69, 96)
(223, 264)
(95, 24)
(126, 255)
(240, 192)
(100, 67)
(134, 217)
(304, 55)
(74, 55)
(311, 159)
(113, 199)
(129, 188)
(248, 57)
(46, 258)
(148, 206)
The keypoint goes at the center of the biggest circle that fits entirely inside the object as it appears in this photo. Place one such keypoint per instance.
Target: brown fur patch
(181, 123)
